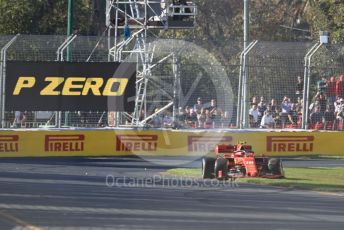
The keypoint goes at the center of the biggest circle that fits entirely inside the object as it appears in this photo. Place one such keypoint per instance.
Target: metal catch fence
(276, 82)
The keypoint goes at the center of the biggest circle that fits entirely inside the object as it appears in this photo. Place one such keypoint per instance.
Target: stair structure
(133, 27)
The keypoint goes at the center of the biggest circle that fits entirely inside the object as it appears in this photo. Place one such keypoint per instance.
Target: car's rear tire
(221, 164)
(208, 167)
(275, 166)
(262, 165)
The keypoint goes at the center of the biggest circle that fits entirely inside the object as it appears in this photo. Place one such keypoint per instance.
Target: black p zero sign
(70, 86)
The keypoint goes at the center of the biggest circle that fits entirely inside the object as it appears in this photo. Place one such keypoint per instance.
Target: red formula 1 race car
(234, 161)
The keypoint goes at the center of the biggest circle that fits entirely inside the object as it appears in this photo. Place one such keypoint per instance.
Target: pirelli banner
(163, 143)
(70, 86)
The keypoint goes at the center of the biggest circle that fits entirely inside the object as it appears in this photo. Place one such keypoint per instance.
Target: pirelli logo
(206, 143)
(73, 86)
(64, 143)
(136, 143)
(289, 143)
(9, 143)
(66, 86)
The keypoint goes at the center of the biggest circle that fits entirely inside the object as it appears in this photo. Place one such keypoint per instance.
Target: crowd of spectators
(326, 110)
(271, 114)
(327, 107)
(200, 115)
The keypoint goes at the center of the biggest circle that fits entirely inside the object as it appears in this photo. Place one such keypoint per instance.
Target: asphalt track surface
(130, 193)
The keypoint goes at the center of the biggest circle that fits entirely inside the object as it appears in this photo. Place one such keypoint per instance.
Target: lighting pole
(245, 107)
(246, 22)
(70, 24)
(70, 17)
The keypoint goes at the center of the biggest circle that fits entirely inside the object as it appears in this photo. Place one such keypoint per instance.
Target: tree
(327, 15)
(218, 21)
(43, 16)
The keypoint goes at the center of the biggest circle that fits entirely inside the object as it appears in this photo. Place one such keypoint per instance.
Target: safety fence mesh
(182, 72)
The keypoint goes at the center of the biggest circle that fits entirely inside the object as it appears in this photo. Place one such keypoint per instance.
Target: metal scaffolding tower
(132, 25)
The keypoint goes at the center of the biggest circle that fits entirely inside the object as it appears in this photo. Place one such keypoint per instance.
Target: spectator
(201, 118)
(191, 118)
(316, 116)
(24, 117)
(267, 120)
(338, 104)
(208, 122)
(340, 115)
(253, 101)
(157, 119)
(292, 115)
(331, 89)
(299, 87)
(299, 105)
(340, 118)
(268, 108)
(215, 112)
(275, 112)
(198, 107)
(285, 107)
(277, 117)
(83, 116)
(213, 106)
(313, 105)
(163, 4)
(17, 119)
(167, 119)
(186, 110)
(340, 87)
(299, 110)
(261, 109)
(322, 85)
(225, 119)
(273, 104)
(329, 116)
(253, 114)
(322, 102)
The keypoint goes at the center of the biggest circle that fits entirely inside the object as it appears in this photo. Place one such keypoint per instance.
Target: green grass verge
(322, 157)
(185, 172)
(312, 157)
(317, 179)
(331, 157)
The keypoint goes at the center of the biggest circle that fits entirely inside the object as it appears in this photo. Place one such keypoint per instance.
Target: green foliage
(42, 16)
(16, 16)
(327, 15)
(217, 22)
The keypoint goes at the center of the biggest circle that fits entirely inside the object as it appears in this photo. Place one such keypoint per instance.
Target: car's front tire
(275, 166)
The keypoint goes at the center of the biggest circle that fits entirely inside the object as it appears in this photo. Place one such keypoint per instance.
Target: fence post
(176, 87)
(306, 81)
(59, 52)
(242, 91)
(3, 78)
